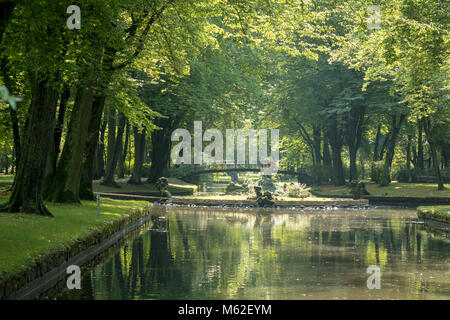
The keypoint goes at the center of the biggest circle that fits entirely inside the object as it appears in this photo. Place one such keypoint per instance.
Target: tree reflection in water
(220, 254)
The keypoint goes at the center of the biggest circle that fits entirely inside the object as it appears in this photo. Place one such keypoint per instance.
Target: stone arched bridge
(301, 174)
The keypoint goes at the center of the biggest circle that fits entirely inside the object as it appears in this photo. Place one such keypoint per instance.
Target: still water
(196, 253)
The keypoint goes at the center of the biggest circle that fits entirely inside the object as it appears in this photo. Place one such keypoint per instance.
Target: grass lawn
(7, 177)
(24, 237)
(395, 189)
(175, 186)
(6, 180)
(438, 213)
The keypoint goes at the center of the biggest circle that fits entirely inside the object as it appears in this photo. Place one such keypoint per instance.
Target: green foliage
(377, 173)
(297, 190)
(7, 97)
(436, 213)
(402, 174)
(267, 184)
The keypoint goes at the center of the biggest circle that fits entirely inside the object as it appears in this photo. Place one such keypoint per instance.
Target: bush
(267, 184)
(297, 190)
(377, 173)
(324, 173)
(403, 175)
(146, 170)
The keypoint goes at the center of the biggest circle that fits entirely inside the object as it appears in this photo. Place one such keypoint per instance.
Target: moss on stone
(436, 213)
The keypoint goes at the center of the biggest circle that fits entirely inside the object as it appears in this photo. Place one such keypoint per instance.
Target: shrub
(146, 170)
(376, 171)
(377, 174)
(297, 190)
(403, 175)
(267, 184)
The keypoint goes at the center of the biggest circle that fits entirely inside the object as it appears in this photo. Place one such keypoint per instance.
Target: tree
(27, 191)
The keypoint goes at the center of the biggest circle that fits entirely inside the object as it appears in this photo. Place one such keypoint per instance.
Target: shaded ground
(395, 189)
(25, 237)
(176, 186)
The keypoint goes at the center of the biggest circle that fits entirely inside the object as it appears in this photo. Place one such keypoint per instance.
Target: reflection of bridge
(301, 174)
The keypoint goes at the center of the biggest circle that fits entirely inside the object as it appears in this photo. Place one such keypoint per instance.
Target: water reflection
(218, 254)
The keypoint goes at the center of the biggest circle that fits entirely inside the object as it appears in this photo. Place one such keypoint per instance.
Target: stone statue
(264, 200)
(235, 188)
(358, 189)
(162, 184)
(267, 183)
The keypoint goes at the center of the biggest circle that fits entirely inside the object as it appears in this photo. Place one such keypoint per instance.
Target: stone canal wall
(241, 203)
(47, 268)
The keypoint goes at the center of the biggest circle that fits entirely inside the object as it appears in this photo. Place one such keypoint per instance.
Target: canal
(198, 253)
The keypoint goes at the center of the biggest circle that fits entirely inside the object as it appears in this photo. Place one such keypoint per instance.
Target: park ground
(26, 238)
(395, 189)
(436, 213)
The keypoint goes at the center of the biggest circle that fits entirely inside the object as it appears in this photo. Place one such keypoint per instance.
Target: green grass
(7, 177)
(438, 213)
(420, 190)
(175, 186)
(6, 180)
(24, 237)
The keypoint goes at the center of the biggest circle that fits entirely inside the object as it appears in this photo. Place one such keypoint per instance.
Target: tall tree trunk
(355, 122)
(376, 154)
(326, 151)
(334, 137)
(121, 164)
(13, 113)
(420, 146)
(116, 152)
(445, 155)
(27, 191)
(326, 156)
(139, 147)
(112, 126)
(60, 124)
(396, 125)
(16, 135)
(384, 146)
(91, 152)
(13, 164)
(6, 9)
(408, 158)
(87, 170)
(55, 144)
(428, 133)
(100, 152)
(160, 154)
(317, 153)
(66, 184)
(353, 173)
(361, 163)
